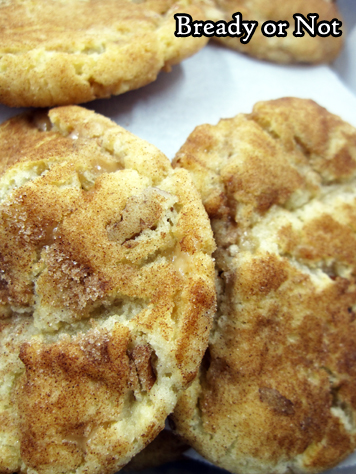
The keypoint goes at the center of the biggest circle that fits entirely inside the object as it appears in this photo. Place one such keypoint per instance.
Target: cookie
(288, 49)
(276, 391)
(107, 292)
(73, 51)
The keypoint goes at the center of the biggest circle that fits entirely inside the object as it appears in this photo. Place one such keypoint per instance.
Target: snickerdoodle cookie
(288, 49)
(107, 292)
(276, 391)
(62, 52)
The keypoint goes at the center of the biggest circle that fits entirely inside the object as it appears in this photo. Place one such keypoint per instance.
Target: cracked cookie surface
(107, 292)
(63, 52)
(288, 49)
(276, 390)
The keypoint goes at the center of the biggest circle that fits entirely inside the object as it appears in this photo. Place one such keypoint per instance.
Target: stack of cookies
(219, 290)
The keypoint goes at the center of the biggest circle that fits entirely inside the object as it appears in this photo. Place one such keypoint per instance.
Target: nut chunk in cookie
(63, 52)
(276, 390)
(107, 292)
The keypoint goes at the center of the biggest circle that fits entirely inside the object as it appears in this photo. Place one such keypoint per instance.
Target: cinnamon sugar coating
(73, 51)
(107, 292)
(276, 391)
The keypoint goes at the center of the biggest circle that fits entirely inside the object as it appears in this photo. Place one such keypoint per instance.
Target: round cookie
(107, 292)
(276, 390)
(288, 49)
(62, 52)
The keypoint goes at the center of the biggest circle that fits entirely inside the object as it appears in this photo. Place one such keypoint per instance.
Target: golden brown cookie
(276, 391)
(288, 49)
(61, 52)
(107, 292)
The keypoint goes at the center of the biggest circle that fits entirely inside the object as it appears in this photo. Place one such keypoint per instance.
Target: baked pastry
(288, 49)
(276, 391)
(68, 52)
(107, 292)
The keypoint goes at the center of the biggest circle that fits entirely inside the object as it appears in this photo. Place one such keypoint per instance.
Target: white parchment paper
(218, 83)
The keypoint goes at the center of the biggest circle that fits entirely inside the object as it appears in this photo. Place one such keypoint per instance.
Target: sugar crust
(107, 292)
(276, 390)
(63, 52)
